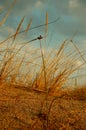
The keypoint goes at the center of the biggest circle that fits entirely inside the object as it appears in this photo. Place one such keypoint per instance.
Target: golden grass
(7, 14)
(22, 88)
(18, 28)
(21, 108)
(31, 86)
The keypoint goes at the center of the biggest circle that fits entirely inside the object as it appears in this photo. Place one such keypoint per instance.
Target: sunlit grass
(32, 84)
(22, 78)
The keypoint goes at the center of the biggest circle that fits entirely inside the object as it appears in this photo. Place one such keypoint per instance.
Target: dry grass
(31, 86)
(7, 14)
(21, 109)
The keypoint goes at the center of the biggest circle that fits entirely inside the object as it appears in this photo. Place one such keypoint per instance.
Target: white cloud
(39, 4)
(73, 3)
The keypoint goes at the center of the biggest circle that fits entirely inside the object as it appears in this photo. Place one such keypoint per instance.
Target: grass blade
(28, 26)
(46, 29)
(18, 28)
(8, 13)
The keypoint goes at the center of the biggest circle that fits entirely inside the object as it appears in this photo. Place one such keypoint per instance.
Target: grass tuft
(33, 95)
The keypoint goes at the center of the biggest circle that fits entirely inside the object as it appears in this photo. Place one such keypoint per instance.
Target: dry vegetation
(32, 93)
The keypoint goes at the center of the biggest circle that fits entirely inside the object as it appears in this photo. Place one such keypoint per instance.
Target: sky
(71, 14)
(71, 23)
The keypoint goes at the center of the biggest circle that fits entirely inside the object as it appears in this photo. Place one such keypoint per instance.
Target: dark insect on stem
(40, 37)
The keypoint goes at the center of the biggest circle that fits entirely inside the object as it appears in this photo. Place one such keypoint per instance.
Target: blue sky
(72, 15)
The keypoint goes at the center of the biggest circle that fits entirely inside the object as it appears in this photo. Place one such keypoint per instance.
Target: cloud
(72, 13)
(38, 4)
(73, 3)
(73, 17)
(26, 7)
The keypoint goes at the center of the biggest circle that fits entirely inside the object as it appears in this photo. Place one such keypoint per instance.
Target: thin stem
(43, 65)
(29, 29)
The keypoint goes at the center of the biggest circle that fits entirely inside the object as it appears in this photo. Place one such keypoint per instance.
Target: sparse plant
(34, 77)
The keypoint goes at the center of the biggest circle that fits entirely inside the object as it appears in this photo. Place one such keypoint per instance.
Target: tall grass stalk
(42, 73)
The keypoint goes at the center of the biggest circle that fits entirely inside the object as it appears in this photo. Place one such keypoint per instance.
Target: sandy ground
(26, 110)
